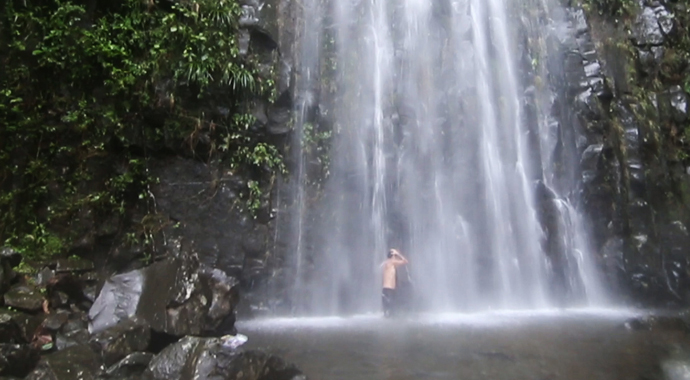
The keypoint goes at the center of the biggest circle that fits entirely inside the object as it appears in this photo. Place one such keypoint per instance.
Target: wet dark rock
(65, 289)
(665, 19)
(243, 39)
(17, 359)
(658, 53)
(24, 297)
(115, 343)
(54, 321)
(73, 265)
(589, 163)
(202, 200)
(552, 224)
(646, 29)
(82, 227)
(650, 59)
(74, 363)
(647, 286)
(581, 25)
(132, 366)
(73, 332)
(679, 104)
(544, 193)
(593, 69)
(170, 362)
(261, 40)
(27, 323)
(677, 323)
(90, 292)
(225, 297)
(90, 277)
(9, 259)
(575, 72)
(59, 299)
(280, 114)
(254, 243)
(10, 332)
(124, 256)
(118, 300)
(43, 276)
(109, 226)
(9, 255)
(175, 297)
(588, 103)
(202, 358)
(71, 338)
(249, 16)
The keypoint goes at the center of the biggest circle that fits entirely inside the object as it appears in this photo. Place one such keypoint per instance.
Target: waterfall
(431, 155)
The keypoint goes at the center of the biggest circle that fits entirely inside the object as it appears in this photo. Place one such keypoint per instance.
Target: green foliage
(611, 7)
(243, 151)
(87, 88)
(254, 196)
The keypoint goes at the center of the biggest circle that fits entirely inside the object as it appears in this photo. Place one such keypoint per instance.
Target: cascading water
(560, 169)
(430, 155)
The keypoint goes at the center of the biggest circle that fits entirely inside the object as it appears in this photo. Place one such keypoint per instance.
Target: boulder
(73, 332)
(73, 265)
(646, 29)
(17, 359)
(65, 290)
(207, 358)
(131, 367)
(55, 321)
(9, 259)
(177, 296)
(43, 276)
(116, 342)
(224, 298)
(24, 297)
(69, 338)
(673, 105)
(27, 324)
(74, 363)
(666, 20)
(10, 331)
(10, 256)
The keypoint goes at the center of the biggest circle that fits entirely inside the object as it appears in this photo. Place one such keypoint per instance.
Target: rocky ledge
(173, 319)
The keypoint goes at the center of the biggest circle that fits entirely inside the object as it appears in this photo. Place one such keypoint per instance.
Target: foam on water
(495, 318)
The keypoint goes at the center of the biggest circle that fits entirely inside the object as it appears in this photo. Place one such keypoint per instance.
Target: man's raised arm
(400, 259)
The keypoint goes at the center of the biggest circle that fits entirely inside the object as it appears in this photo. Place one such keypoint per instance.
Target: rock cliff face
(205, 204)
(620, 80)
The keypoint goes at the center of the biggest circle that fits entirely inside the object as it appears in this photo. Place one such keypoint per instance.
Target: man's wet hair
(389, 254)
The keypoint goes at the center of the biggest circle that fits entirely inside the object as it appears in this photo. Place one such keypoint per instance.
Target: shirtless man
(394, 260)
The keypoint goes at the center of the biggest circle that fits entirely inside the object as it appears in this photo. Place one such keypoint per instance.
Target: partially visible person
(389, 296)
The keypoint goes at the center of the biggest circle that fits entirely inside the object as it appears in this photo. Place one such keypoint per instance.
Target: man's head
(392, 252)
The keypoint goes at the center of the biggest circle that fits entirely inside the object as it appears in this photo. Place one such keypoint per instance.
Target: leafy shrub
(85, 85)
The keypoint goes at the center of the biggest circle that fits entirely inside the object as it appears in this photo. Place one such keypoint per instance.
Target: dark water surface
(545, 345)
